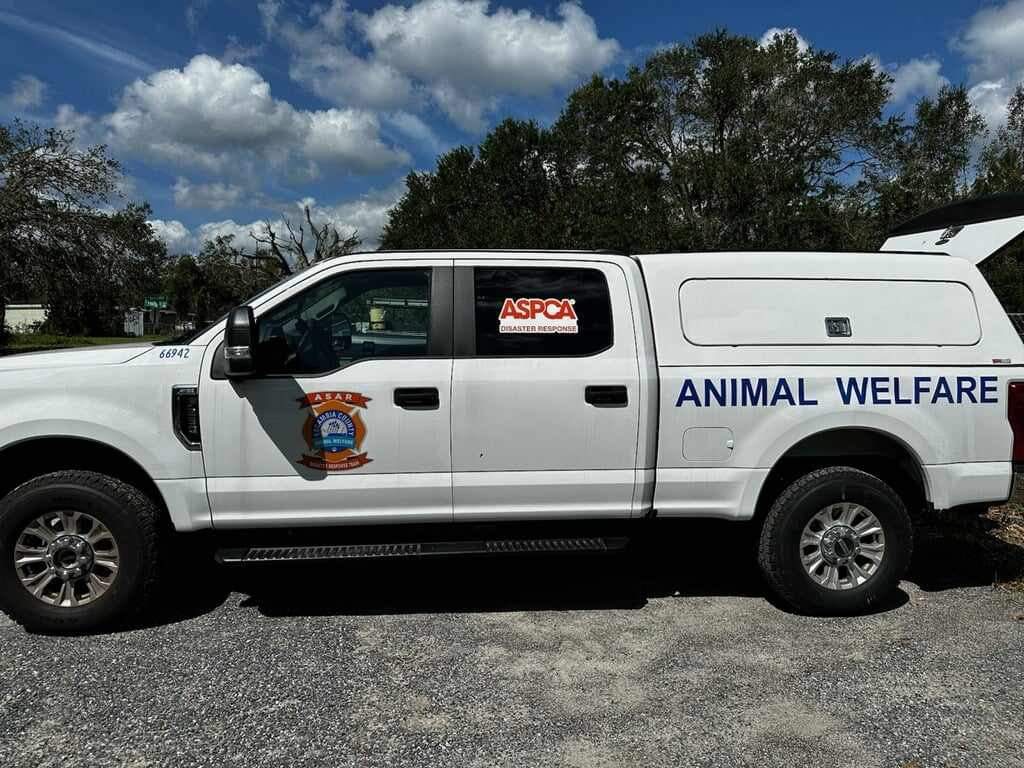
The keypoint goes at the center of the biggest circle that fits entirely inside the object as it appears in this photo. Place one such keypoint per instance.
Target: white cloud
(222, 118)
(414, 128)
(180, 239)
(993, 44)
(337, 75)
(70, 119)
(460, 54)
(87, 131)
(915, 79)
(175, 235)
(27, 92)
(365, 214)
(478, 51)
(994, 40)
(240, 232)
(990, 98)
(235, 52)
(214, 196)
(773, 32)
(95, 48)
(207, 106)
(349, 138)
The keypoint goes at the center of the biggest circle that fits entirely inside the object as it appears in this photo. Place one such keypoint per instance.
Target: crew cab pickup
(823, 395)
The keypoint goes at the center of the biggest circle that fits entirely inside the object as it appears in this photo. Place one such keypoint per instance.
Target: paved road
(676, 658)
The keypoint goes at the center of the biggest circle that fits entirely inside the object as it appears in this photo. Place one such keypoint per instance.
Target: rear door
(545, 390)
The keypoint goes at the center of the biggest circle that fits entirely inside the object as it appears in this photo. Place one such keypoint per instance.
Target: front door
(349, 417)
(545, 391)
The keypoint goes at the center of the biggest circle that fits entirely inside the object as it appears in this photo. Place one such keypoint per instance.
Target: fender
(882, 423)
(35, 429)
(887, 426)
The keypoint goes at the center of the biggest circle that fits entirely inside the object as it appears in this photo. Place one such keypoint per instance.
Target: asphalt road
(674, 658)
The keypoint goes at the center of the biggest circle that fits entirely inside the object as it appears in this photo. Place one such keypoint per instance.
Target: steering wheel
(340, 319)
(305, 330)
(314, 351)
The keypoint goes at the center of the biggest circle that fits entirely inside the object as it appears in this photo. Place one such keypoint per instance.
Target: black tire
(131, 517)
(779, 553)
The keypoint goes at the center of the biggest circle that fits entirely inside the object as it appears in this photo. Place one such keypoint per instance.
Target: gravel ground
(674, 658)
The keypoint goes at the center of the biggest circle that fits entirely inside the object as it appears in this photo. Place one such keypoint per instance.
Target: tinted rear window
(541, 312)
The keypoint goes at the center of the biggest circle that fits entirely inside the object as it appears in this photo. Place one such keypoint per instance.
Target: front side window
(541, 312)
(353, 316)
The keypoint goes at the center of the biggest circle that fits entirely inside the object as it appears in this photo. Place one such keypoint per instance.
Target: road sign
(155, 302)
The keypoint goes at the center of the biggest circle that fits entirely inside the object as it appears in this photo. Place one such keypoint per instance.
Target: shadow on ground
(678, 558)
(964, 551)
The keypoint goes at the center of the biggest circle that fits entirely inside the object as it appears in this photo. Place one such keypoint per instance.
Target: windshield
(189, 336)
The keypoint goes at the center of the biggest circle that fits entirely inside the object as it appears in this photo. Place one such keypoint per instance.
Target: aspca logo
(538, 316)
(334, 431)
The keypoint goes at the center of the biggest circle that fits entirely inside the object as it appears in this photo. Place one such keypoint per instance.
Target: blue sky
(229, 112)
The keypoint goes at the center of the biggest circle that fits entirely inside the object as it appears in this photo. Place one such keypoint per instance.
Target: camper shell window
(840, 312)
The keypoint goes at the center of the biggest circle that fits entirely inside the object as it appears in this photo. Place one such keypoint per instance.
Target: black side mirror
(239, 341)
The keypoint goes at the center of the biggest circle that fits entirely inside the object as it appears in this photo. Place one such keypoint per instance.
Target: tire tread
(149, 521)
(781, 579)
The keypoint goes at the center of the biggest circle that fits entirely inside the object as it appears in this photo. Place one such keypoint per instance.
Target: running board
(242, 555)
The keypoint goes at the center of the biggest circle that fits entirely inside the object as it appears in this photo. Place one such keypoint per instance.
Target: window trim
(439, 332)
(465, 312)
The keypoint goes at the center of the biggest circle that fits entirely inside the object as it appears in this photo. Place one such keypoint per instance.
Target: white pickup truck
(819, 394)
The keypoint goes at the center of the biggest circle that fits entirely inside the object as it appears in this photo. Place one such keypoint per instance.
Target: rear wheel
(78, 551)
(836, 541)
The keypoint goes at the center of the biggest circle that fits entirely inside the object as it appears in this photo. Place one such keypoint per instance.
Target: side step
(242, 555)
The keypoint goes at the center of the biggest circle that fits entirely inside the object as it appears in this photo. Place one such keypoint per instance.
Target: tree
(293, 252)
(223, 275)
(755, 143)
(59, 239)
(114, 261)
(722, 143)
(1001, 169)
(1002, 161)
(932, 163)
(220, 277)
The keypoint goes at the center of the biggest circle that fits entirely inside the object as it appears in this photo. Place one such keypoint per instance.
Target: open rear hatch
(971, 229)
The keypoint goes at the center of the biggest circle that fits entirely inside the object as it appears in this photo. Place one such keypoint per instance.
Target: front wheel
(836, 541)
(78, 551)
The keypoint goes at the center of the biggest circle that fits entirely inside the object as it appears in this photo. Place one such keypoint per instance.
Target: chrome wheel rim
(66, 558)
(842, 546)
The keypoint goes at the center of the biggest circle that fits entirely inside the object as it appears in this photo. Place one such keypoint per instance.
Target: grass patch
(23, 342)
(1008, 521)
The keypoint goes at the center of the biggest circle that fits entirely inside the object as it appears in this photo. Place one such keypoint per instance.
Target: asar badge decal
(334, 431)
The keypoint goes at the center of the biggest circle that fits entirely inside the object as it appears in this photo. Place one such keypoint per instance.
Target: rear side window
(541, 312)
(795, 312)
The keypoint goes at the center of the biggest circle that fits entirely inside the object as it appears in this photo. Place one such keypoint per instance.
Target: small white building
(25, 318)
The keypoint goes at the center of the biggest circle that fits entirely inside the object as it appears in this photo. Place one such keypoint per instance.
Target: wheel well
(32, 458)
(875, 452)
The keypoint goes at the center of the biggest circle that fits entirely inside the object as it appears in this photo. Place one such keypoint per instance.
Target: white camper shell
(389, 404)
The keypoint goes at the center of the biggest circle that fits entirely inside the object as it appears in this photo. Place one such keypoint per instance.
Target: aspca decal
(843, 390)
(334, 430)
(538, 316)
